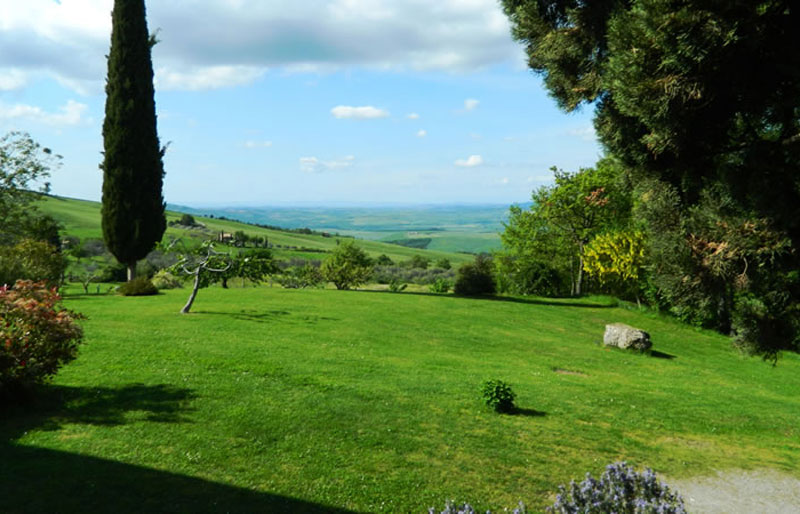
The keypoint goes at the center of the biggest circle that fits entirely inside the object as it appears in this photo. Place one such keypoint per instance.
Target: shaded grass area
(302, 401)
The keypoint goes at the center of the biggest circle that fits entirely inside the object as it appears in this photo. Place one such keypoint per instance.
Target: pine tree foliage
(133, 170)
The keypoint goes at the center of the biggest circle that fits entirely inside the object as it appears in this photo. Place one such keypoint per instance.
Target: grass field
(82, 218)
(272, 400)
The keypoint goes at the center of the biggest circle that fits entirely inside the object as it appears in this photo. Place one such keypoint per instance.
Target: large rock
(625, 337)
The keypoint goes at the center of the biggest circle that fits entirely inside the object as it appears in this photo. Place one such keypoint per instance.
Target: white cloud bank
(358, 113)
(470, 162)
(72, 113)
(221, 43)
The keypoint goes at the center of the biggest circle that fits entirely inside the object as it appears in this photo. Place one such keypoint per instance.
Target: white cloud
(257, 144)
(413, 116)
(470, 104)
(315, 165)
(69, 39)
(470, 162)
(587, 133)
(209, 77)
(358, 113)
(11, 79)
(504, 181)
(422, 133)
(69, 114)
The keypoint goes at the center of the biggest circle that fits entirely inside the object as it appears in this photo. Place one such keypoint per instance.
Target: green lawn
(272, 400)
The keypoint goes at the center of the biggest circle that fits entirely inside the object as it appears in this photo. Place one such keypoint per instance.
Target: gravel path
(746, 492)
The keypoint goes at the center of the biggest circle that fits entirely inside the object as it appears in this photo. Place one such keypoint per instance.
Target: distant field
(82, 218)
(467, 228)
(273, 400)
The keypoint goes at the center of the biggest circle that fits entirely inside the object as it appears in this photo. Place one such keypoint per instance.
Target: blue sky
(319, 102)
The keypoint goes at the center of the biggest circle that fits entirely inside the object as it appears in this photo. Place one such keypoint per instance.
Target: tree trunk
(580, 274)
(131, 271)
(192, 296)
(224, 283)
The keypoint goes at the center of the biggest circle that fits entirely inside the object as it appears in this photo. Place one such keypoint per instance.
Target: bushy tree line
(699, 102)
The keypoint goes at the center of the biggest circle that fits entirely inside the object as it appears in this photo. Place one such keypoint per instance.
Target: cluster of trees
(700, 104)
(29, 240)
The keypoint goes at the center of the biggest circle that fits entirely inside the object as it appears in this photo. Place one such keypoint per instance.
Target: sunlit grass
(370, 401)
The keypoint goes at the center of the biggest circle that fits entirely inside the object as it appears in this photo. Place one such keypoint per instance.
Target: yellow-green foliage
(615, 255)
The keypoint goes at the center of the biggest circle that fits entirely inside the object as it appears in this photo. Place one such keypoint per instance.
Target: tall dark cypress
(133, 170)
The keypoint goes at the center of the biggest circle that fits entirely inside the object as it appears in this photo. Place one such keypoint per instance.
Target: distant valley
(453, 228)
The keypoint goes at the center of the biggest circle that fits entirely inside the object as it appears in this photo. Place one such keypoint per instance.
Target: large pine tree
(133, 170)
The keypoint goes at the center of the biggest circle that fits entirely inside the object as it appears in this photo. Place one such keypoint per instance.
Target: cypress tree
(133, 169)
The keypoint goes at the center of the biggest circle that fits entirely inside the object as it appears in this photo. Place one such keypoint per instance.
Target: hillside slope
(81, 218)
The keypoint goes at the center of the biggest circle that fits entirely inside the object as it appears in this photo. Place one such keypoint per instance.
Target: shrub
(385, 275)
(139, 286)
(31, 260)
(529, 277)
(37, 337)
(441, 285)
(166, 280)
(475, 278)
(498, 395)
(395, 286)
(348, 266)
(187, 220)
(620, 489)
(417, 261)
(384, 260)
(443, 263)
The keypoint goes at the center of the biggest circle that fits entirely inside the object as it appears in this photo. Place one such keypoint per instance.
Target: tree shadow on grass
(249, 315)
(511, 299)
(50, 407)
(42, 480)
(531, 413)
(265, 316)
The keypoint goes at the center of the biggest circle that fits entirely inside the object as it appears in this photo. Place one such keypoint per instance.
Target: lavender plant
(621, 489)
(454, 508)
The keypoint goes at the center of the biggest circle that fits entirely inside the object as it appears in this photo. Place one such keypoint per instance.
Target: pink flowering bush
(36, 336)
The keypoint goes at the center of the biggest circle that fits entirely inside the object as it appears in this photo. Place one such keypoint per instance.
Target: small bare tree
(200, 266)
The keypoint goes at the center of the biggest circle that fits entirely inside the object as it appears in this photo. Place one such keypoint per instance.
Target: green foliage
(443, 263)
(187, 220)
(562, 220)
(348, 266)
(133, 216)
(31, 260)
(440, 285)
(417, 262)
(395, 286)
(475, 278)
(498, 396)
(163, 280)
(672, 103)
(254, 265)
(301, 277)
(518, 275)
(36, 336)
(23, 164)
(383, 260)
(139, 286)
